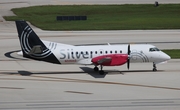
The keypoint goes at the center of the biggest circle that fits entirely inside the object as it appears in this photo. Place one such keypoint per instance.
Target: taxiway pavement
(29, 84)
(36, 85)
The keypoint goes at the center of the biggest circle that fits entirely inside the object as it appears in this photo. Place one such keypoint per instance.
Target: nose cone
(166, 57)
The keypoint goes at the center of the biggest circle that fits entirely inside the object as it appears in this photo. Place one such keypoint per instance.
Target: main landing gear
(101, 72)
(154, 67)
(96, 68)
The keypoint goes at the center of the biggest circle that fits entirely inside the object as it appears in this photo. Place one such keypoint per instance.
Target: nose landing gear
(154, 67)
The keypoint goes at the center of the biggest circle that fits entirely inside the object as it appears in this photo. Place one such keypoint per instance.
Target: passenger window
(95, 52)
(100, 52)
(71, 52)
(106, 52)
(110, 51)
(115, 51)
(120, 51)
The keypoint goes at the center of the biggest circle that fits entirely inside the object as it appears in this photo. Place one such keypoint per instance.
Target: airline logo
(75, 55)
(24, 40)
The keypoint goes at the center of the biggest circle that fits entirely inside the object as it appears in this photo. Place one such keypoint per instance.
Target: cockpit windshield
(154, 49)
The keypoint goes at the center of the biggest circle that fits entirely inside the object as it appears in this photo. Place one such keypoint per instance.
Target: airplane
(98, 55)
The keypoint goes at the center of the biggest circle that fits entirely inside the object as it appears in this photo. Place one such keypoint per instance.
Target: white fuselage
(69, 54)
(97, 55)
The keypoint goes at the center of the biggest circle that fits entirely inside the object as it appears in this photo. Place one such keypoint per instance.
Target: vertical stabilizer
(32, 47)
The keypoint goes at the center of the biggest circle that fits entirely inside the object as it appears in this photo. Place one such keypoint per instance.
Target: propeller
(128, 61)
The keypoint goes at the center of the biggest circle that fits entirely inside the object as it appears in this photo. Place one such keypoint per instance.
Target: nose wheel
(154, 67)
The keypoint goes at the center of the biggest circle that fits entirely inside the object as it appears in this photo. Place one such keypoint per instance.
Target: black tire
(96, 68)
(101, 72)
(154, 69)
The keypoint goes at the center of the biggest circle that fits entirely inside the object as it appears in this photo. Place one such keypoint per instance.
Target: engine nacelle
(110, 60)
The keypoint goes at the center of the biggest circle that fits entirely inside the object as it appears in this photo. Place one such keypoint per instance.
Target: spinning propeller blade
(128, 61)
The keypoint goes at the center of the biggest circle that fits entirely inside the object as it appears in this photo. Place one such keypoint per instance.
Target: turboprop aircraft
(97, 55)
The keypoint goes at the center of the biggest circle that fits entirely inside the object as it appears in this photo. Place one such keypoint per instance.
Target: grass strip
(102, 17)
(174, 53)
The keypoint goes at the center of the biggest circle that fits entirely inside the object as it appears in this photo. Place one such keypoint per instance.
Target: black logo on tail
(32, 46)
(24, 40)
